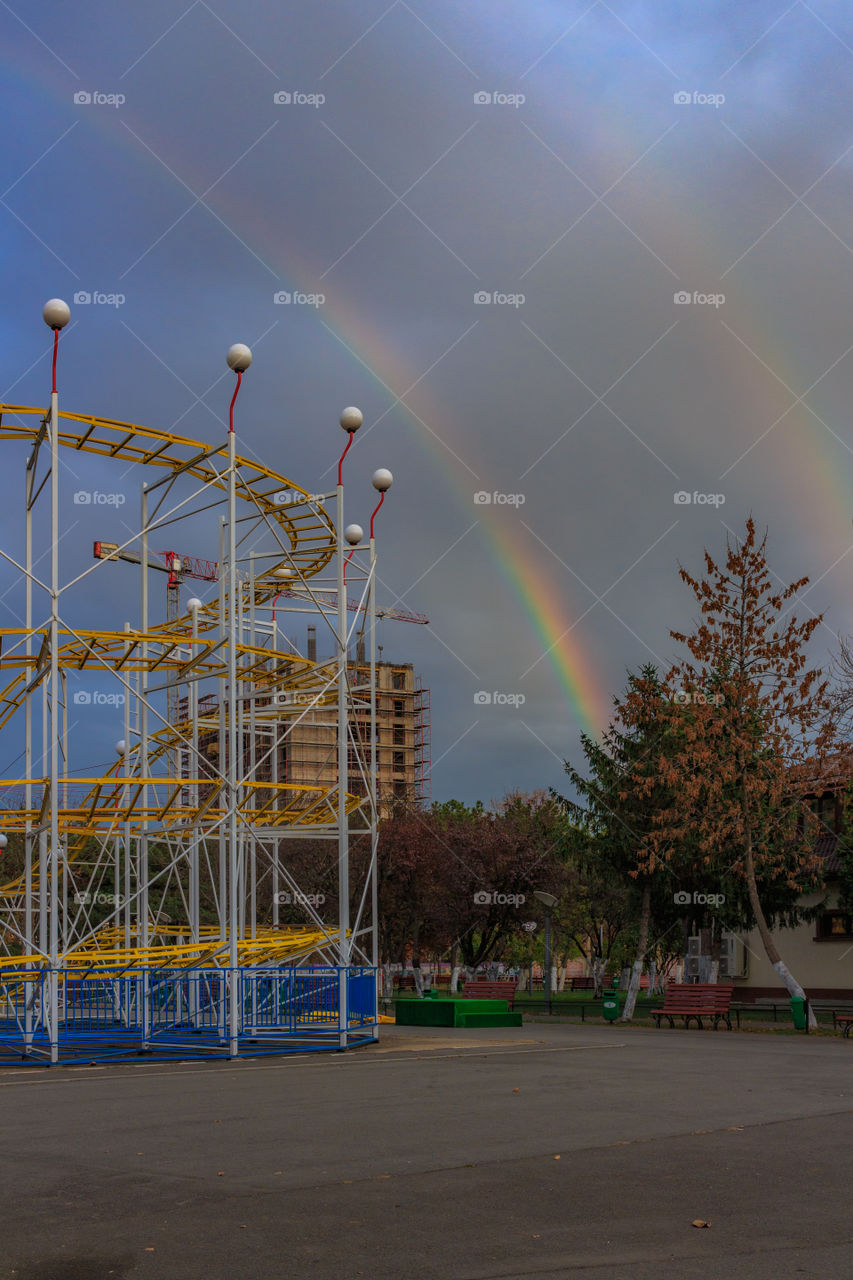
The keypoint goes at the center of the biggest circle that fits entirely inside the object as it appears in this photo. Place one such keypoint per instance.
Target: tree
(595, 911)
(495, 860)
(455, 877)
(757, 730)
(621, 794)
(409, 889)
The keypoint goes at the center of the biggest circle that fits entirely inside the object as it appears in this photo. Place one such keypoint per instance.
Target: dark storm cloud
(597, 199)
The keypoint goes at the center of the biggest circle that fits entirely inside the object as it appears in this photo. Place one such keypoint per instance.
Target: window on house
(399, 736)
(399, 707)
(826, 811)
(400, 789)
(399, 761)
(398, 680)
(835, 924)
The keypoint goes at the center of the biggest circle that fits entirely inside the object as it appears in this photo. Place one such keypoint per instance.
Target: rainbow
(521, 564)
(536, 594)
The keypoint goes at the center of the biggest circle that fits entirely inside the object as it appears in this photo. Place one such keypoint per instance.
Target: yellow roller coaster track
(175, 655)
(307, 541)
(269, 946)
(306, 529)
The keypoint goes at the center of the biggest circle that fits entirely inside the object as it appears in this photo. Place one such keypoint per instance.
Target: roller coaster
(191, 807)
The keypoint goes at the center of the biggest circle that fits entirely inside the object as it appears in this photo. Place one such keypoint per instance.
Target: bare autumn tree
(756, 734)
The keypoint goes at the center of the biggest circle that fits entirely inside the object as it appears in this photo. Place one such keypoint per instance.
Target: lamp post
(382, 481)
(239, 358)
(549, 902)
(351, 420)
(56, 315)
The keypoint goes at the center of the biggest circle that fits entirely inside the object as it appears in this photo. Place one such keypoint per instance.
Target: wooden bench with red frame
(696, 1000)
(845, 1021)
(478, 990)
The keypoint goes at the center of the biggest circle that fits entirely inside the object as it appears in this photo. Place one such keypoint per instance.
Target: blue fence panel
(361, 996)
(22, 1004)
(109, 1014)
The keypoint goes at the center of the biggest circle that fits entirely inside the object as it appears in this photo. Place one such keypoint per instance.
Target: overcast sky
(482, 221)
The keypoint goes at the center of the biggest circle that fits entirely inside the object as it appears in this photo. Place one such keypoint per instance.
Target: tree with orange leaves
(756, 735)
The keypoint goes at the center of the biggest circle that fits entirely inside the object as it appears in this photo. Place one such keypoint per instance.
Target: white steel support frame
(343, 779)
(53, 989)
(374, 778)
(232, 774)
(52, 922)
(142, 867)
(29, 917)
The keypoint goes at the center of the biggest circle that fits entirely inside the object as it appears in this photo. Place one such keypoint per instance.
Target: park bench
(404, 981)
(583, 984)
(491, 991)
(696, 1000)
(844, 1021)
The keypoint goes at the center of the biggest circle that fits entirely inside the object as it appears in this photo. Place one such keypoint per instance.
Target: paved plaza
(545, 1151)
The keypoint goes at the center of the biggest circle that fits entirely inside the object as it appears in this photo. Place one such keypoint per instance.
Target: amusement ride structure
(192, 807)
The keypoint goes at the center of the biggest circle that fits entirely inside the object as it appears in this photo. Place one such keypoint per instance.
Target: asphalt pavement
(546, 1151)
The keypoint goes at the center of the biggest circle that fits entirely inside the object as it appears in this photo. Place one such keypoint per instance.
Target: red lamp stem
(231, 406)
(343, 455)
(373, 516)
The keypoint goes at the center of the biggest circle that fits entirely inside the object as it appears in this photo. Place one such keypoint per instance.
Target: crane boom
(179, 567)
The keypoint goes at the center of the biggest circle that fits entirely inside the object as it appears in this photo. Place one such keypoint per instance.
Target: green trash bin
(610, 1005)
(798, 1011)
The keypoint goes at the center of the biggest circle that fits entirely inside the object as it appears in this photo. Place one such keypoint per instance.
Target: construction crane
(176, 566)
(179, 566)
(391, 615)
